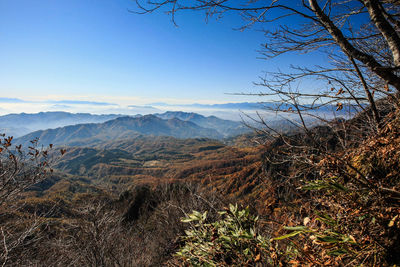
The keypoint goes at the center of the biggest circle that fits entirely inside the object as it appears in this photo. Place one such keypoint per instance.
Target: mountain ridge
(227, 128)
(19, 124)
(117, 129)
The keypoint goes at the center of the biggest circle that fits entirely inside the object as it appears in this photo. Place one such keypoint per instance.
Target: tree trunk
(388, 32)
(387, 74)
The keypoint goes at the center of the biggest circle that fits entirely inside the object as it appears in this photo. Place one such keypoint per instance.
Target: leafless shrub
(101, 232)
(19, 170)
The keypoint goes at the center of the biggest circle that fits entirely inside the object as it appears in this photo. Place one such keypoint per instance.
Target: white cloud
(120, 105)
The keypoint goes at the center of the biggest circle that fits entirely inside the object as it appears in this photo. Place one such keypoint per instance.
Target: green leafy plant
(232, 240)
(325, 184)
(327, 237)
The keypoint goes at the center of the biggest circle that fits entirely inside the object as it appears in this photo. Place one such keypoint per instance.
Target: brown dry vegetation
(340, 194)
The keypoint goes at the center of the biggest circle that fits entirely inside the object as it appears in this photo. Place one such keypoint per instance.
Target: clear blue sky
(96, 50)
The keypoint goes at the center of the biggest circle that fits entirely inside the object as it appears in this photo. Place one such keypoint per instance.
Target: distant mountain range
(259, 106)
(21, 124)
(226, 128)
(83, 128)
(127, 127)
(241, 105)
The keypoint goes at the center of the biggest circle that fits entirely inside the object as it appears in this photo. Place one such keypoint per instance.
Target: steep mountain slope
(120, 128)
